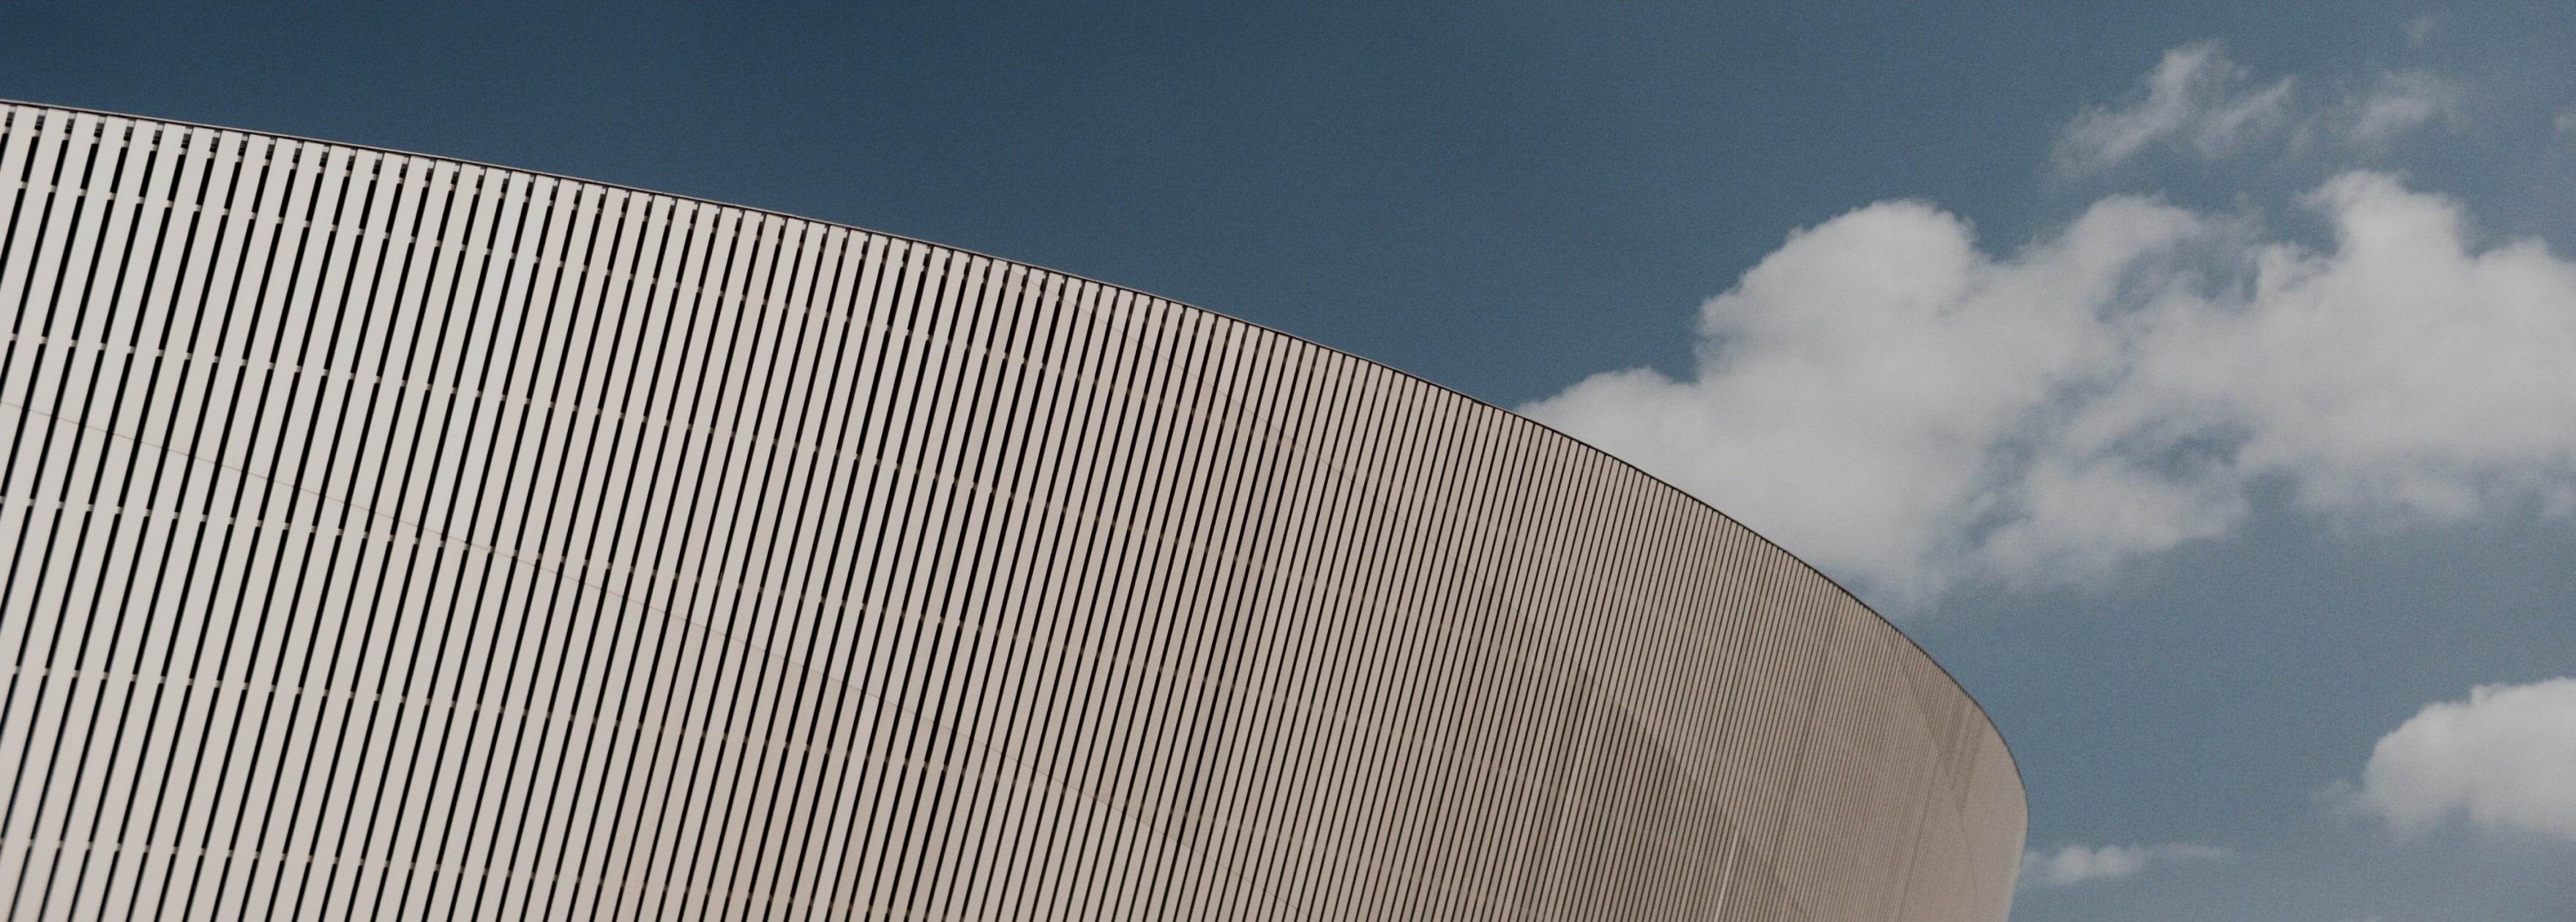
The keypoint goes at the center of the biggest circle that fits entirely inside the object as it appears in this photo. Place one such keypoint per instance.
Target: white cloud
(2195, 96)
(2077, 864)
(1909, 411)
(2505, 758)
(2198, 101)
(2400, 102)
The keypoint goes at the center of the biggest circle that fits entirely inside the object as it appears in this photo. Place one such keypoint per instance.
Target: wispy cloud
(2078, 864)
(2200, 103)
(2505, 759)
(2398, 103)
(2195, 97)
(1913, 410)
(2422, 29)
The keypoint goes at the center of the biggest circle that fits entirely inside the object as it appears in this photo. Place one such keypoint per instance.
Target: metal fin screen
(394, 537)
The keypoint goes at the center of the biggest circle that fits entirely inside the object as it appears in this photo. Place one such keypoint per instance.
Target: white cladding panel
(393, 537)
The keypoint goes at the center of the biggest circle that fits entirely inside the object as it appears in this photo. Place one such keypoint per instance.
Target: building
(395, 537)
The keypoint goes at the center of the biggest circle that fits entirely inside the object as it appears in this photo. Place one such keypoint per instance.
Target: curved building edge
(1630, 806)
(1255, 324)
(1426, 382)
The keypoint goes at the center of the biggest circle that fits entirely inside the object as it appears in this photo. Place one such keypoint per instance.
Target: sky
(2196, 381)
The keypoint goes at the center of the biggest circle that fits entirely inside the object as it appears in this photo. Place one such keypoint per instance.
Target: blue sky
(2228, 454)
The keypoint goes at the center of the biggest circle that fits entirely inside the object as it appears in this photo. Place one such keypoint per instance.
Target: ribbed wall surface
(390, 537)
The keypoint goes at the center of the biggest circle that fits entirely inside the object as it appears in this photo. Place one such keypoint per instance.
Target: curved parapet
(395, 537)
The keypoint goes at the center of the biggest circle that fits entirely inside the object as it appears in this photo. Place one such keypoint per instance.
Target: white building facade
(391, 537)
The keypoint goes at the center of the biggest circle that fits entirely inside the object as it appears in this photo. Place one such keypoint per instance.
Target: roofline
(1508, 412)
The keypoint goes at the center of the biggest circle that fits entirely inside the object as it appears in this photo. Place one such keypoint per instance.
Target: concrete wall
(391, 537)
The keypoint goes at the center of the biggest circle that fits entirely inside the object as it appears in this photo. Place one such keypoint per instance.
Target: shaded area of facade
(393, 537)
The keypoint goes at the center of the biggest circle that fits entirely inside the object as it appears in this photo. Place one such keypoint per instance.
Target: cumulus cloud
(2077, 864)
(2198, 101)
(2505, 759)
(1911, 410)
